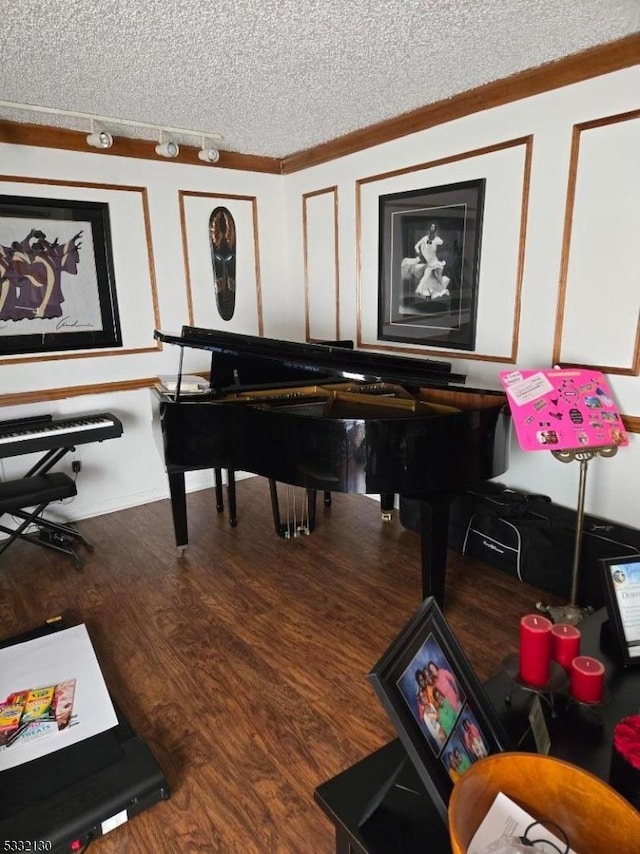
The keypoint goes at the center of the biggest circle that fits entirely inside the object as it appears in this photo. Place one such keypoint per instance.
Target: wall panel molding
(600, 246)
(510, 357)
(153, 293)
(43, 395)
(183, 196)
(631, 422)
(332, 295)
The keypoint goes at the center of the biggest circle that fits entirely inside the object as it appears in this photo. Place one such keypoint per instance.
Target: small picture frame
(436, 703)
(622, 599)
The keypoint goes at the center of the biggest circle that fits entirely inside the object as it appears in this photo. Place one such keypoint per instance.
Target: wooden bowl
(595, 818)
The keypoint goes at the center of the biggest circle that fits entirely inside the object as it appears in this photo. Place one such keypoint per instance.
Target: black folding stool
(36, 492)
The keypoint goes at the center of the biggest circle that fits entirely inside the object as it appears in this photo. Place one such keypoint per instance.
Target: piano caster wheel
(181, 550)
(233, 523)
(387, 517)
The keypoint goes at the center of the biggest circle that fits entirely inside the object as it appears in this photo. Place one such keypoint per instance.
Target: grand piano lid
(332, 360)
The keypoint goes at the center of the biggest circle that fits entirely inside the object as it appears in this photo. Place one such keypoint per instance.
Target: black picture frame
(57, 284)
(429, 265)
(427, 638)
(621, 582)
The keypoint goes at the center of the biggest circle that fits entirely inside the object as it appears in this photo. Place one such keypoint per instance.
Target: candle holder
(557, 683)
(590, 713)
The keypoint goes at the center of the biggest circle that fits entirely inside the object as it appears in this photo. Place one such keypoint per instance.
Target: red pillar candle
(587, 679)
(565, 644)
(535, 649)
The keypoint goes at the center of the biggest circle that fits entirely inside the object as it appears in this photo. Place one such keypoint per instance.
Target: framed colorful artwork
(57, 286)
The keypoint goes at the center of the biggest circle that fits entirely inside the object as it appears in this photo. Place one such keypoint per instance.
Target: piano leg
(434, 535)
(217, 476)
(179, 508)
(387, 501)
(231, 491)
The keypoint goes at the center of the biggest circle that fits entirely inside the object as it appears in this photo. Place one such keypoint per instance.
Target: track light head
(209, 155)
(100, 140)
(168, 149)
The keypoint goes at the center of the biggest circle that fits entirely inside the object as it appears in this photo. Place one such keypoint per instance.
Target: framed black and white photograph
(622, 598)
(429, 263)
(436, 703)
(57, 287)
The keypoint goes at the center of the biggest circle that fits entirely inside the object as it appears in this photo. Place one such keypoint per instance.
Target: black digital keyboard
(44, 433)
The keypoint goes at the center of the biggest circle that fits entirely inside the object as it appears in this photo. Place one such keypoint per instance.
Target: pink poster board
(562, 409)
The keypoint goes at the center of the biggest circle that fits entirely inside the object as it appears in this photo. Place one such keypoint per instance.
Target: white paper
(115, 821)
(626, 583)
(189, 383)
(539, 727)
(524, 391)
(504, 819)
(49, 660)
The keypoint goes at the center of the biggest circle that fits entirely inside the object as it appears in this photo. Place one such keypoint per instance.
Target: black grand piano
(324, 417)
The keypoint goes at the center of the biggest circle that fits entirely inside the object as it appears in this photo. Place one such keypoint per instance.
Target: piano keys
(55, 436)
(325, 418)
(27, 435)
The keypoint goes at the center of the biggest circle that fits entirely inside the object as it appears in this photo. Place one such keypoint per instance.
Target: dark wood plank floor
(243, 664)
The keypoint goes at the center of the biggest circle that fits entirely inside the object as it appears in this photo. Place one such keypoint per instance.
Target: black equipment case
(531, 538)
(62, 801)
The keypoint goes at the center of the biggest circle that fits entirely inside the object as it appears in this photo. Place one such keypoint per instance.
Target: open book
(507, 821)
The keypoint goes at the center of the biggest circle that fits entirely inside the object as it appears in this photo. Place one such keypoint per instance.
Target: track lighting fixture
(209, 155)
(100, 140)
(168, 148)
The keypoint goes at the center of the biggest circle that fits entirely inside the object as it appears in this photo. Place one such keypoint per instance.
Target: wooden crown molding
(602, 59)
(585, 65)
(45, 136)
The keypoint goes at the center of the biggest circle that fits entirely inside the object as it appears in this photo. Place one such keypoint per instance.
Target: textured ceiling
(279, 76)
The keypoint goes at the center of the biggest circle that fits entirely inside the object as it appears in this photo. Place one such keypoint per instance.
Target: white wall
(128, 471)
(613, 485)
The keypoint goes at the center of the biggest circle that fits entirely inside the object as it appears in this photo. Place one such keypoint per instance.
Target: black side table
(406, 821)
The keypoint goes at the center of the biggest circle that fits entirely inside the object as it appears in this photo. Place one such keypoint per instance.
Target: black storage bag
(509, 530)
(531, 538)
(512, 531)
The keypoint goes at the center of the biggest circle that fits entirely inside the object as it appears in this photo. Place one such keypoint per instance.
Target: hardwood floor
(243, 665)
